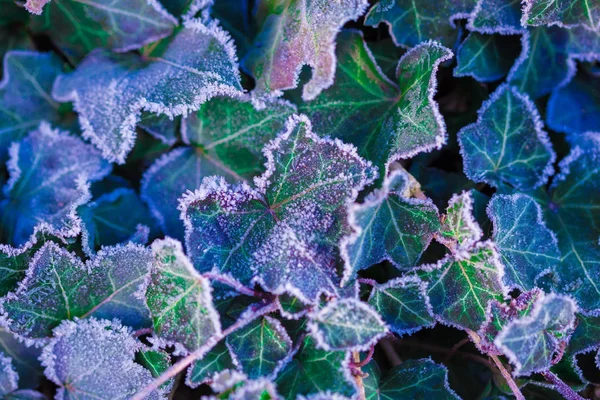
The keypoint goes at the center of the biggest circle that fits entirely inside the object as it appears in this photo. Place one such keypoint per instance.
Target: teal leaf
(294, 34)
(180, 300)
(58, 286)
(9, 379)
(13, 37)
(389, 225)
(486, 58)
(459, 224)
(585, 337)
(109, 91)
(371, 380)
(49, 175)
(312, 369)
(297, 211)
(412, 22)
(15, 262)
(527, 248)
(95, 359)
(507, 144)
(25, 99)
(387, 122)
(531, 342)
(346, 324)
(260, 348)
(161, 127)
(24, 359)
(496, 16)
(561, 13)
(203, 370)
(79, 27)
(403, 304)
(12, 13)
(236, 18)
(157, 362)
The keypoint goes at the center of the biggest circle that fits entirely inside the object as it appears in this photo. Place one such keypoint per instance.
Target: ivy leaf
(496, 16)
(24, 359)
(47, 183)
(531, 342)
(160, 127)
(12, 13)
(507, 144)
(415, 379)
(25, 99)
(585, 337)
(203, 370)
(297, 212)
(486, 58)
(390, 225)
(58, 286)
(403, 304)
(260, 348)
(236, 18)
(294, 34)
(385, 121)
(312, 369)
(180, 300)
(346, 324)
(109, 91)
(14, 263)
(95, 359)
(79, 27)
(413, 22)
(8, 376)
(562, 13)
(459, 224)
(157, 362)
(527, 248)
(371, 380)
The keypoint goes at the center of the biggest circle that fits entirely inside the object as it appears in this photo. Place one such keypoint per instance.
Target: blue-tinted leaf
(24, 359)
(566, 13)
(109, 91)
(496, 16)
(13, 37)
(298, 213)
(9, 379)
(94, 359)
(507, 144)
(585, 339)
(161, 127)
(49, 175)
(486, 58)
(531, 342)
(235, 17)
(216, 360)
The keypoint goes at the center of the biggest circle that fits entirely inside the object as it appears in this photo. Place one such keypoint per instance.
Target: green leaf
(346, 324)
(403, 304)
(260, 348)
(486, 58)
(203, 370)
(298, 212)
(562, 13)
(585, 337)
(157, 362)
(180, 300)
(12, 13)
(371, 380)
(507, 144)
(297, 33)
(77, 27)
(527, 248)
(58, 286)
(496, 16)
(459, 224)
(389, 225)
(312, 369)
(531, 342)
(94, 359)
(385, 121)
(415, 21)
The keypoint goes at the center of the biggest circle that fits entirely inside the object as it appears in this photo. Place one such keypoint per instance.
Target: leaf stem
(238, 287)
(358, 363)
(200, 352)
(561, 387)
(358, 375)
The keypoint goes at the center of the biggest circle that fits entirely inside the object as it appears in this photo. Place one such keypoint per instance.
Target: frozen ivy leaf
(216, 360)
(385, 121)
(459, 224)
(94, 359)
(8, 376)
(262, 389)
(403, 304)
(486, 58)
(346, 324)
(161, 127)
(113, 218)
(416, 379)
(109, 91)
(78, 27)
(283, 234)
(371, 380)
(585, 337)
(13, 37)
(24, 359)
(461, 286)
(507, 144)
(565, 13)
(49, 175)
(292, 307)
(575, 108)
(297, 33)
(496, 16)
(236, 18)
(15, 262)
(58, 286)
(531, 342)
(180, 299)
(260, 348)
(312, 369)
(25, 99)
(157, 362)
(389, 225)
(526, 246)
(412, 22)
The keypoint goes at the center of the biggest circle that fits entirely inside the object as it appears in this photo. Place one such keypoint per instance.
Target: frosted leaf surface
(496, 16)
(203, 370)
(59, 286)
(567, 13)
(157, 362)
(109, 91)
(49, 174)
(285, 232)
(180, 299)
(161, 127)
(9, 379)
(94, 359)
(24, 359)
(486, 58)
(459, 224)
(297, 33)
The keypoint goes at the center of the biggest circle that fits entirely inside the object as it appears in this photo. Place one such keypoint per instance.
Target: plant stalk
(561, 387)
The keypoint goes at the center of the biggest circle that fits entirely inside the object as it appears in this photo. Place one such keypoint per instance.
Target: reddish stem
(561, 387)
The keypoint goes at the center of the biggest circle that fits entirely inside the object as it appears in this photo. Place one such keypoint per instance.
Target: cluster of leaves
(188, 210)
